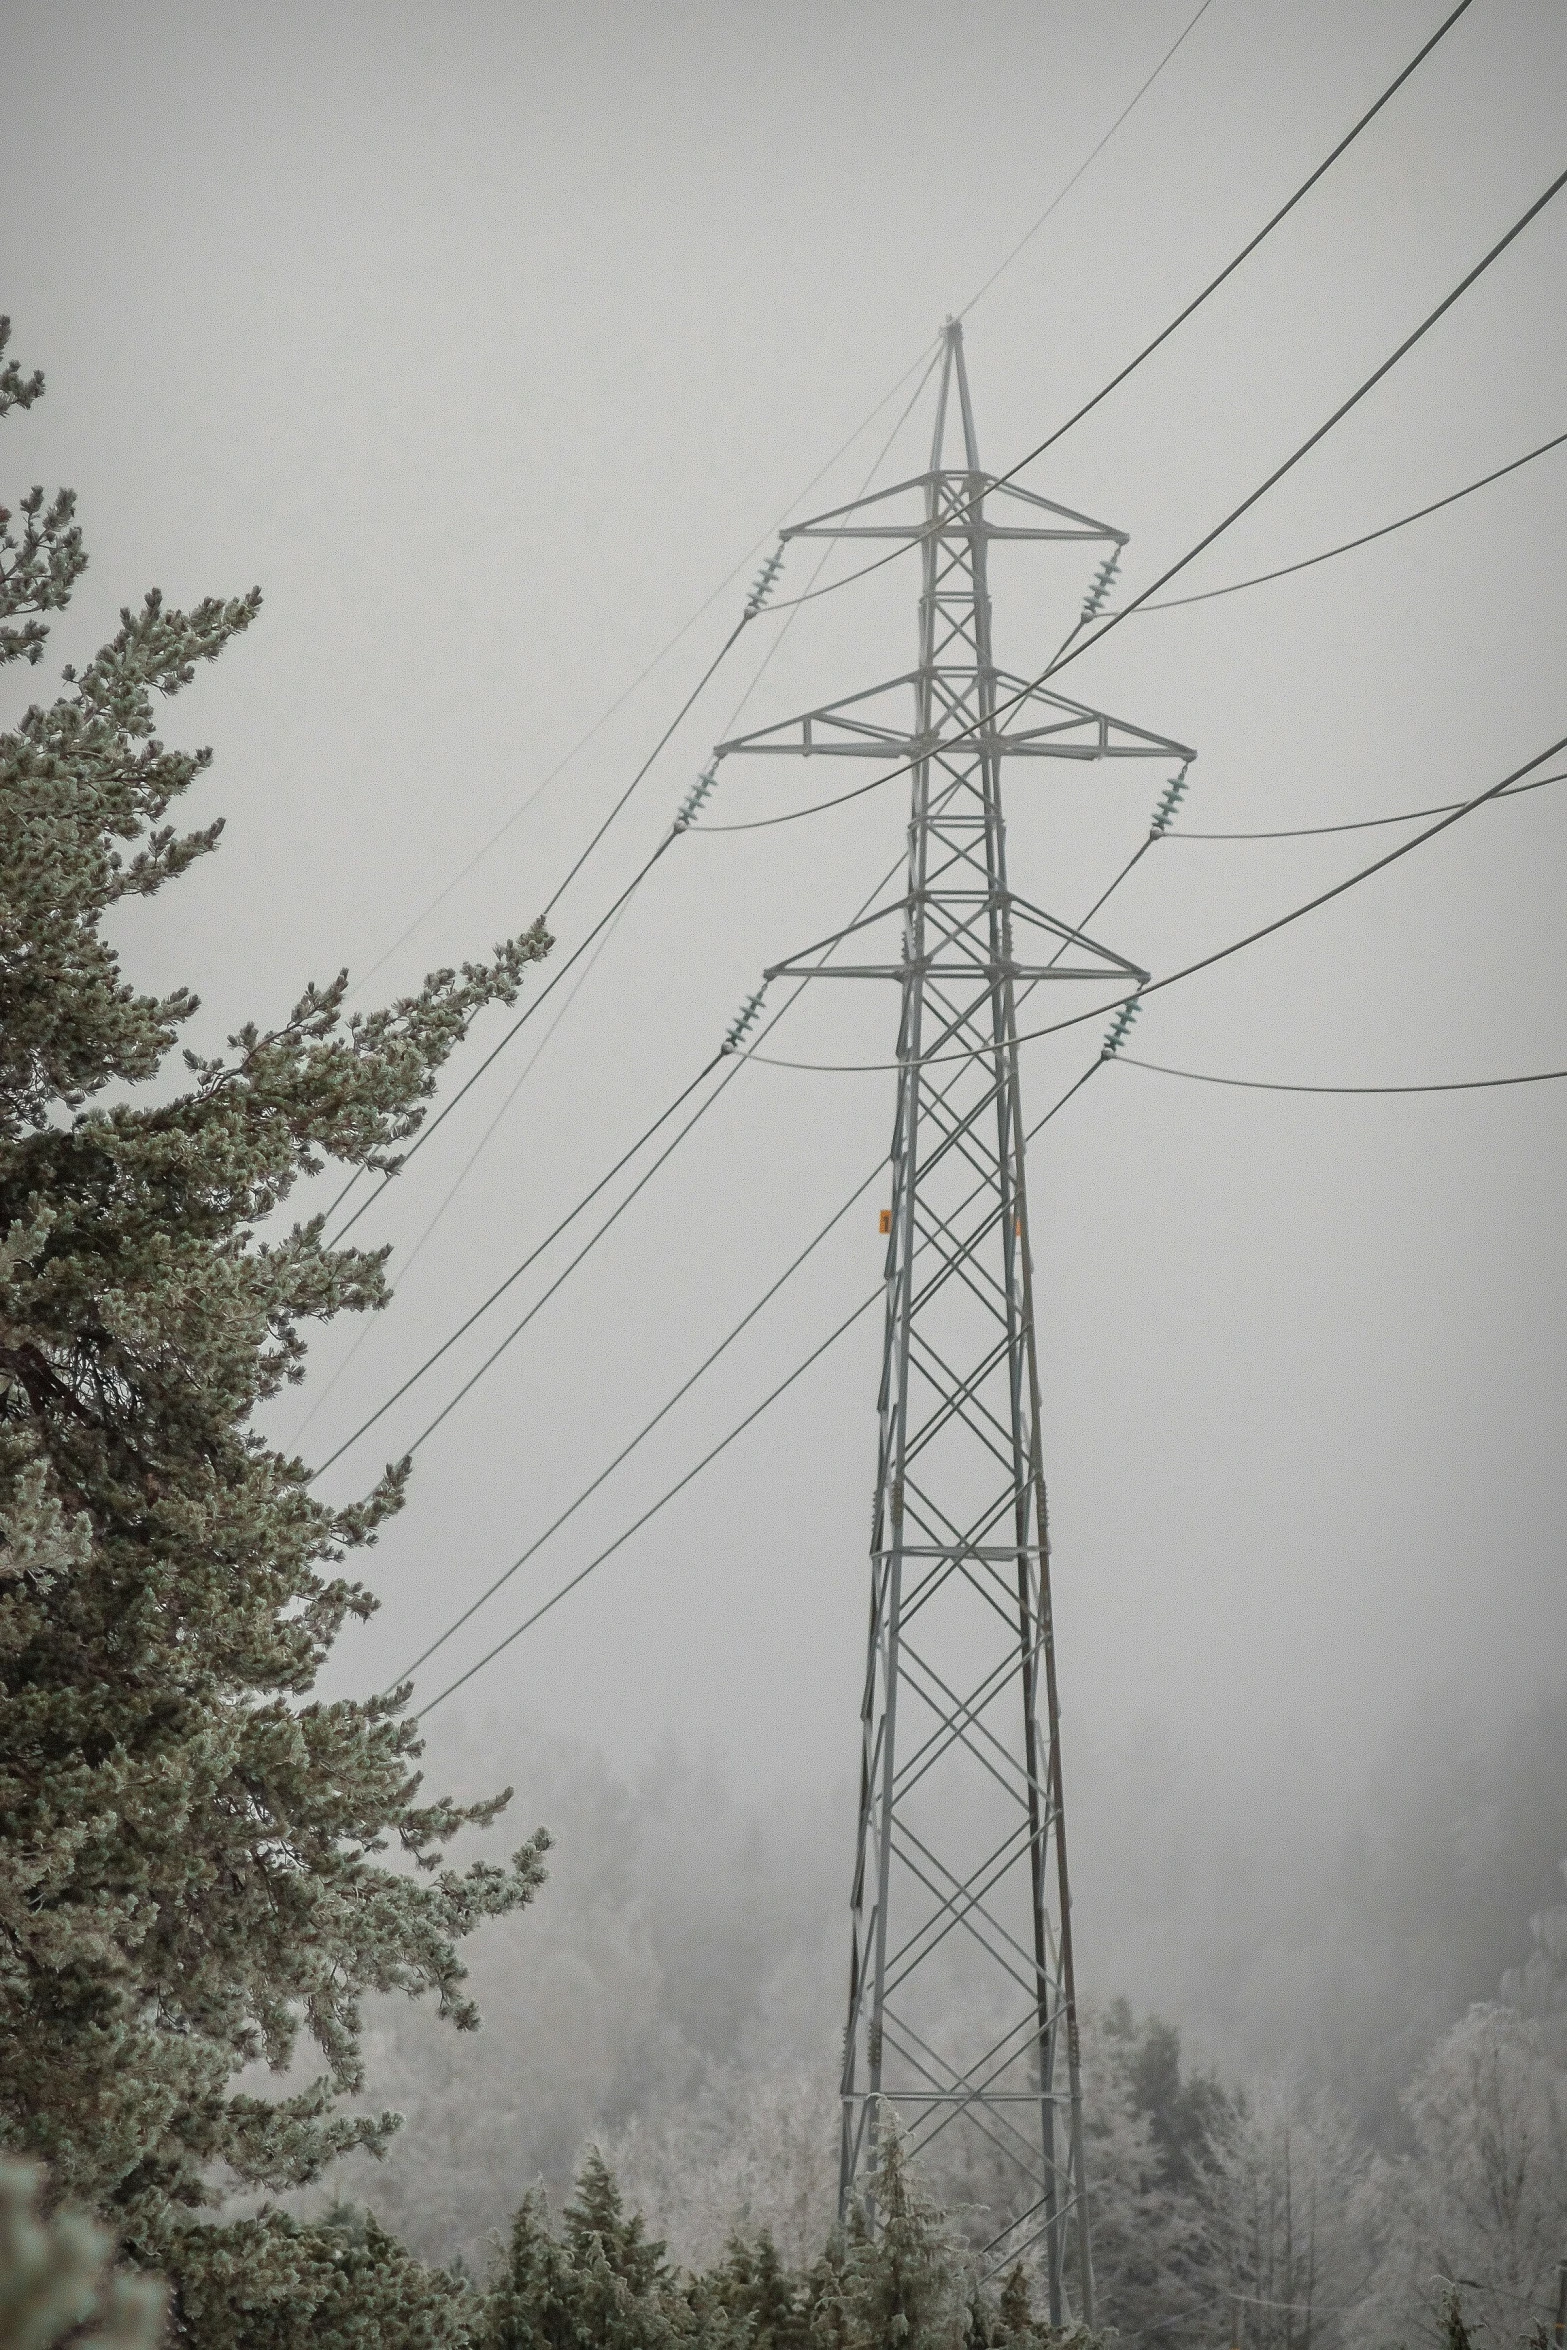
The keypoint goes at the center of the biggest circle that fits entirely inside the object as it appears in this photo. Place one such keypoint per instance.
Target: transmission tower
(962, 2020)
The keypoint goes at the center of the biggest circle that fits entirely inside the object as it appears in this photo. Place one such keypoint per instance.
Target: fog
(675, 1995)
(490, 341)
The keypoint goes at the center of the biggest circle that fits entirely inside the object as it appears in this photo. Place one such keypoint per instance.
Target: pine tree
(603, 2283)
(273, 2283)
(902, 2289)
(190, 1841)
(599, 2225)
(530, 2301)
(752, 2283)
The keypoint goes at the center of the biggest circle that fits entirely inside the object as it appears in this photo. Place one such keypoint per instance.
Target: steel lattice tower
(962, 2020)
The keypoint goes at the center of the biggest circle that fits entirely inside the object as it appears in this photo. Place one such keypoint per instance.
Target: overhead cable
(1278, 1085)
(827, 552)
(1366, 538)
(1069, 655)
(643, 674)
(754, 603)
(1104, 897)
(559, 768)
(518, 1270)
(1203, 962)
(1360, 823)
(1111, 1052)
(744, 1323)
(652, 1511)
(408, 1262)
(693, 801)
(690, 1476)
(1114, 620)
(589, 1245)
(1093, 155)
(668, 1405)
(798, 499)
(728, 1052)
(816, 808)
(1246, 251)
(524, 1016)
(1181, 316)
(646, 1430)
(1103, 393)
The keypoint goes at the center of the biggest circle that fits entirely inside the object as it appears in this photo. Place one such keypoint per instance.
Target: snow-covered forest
(1407, 2126)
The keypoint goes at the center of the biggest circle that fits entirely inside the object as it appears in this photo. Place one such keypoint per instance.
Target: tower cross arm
(1047, 726)
(1064, 729)
(952, 502)
(841, 730)
(952, 956)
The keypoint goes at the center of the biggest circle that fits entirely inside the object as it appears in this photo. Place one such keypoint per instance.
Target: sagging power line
(1282, 1085)
(1360, 823)
(1366, 538)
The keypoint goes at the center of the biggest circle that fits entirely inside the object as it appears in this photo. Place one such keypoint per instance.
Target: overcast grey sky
(489, 339)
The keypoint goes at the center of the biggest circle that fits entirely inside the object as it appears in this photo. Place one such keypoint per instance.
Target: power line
(1276, 1085)
(746, 1319)
(816, 808)
(643, 674)
(1447, 819)
(1366, 538)
(614, 915)
(1063, 658)
(700, 1372)
(723, 1444)
(559, 768)
(586, 1250)
(1359, 823)
(1023, 462)
(466, 1169)
(722, 654)
(827, 552)
(1194, 305)
(496, 1050)
(1496, 791)
(735, 1063)
(1246, 251)
(645, 1430)
(517, 1272)
(1353, 880)
(1161, 2324)
(757, 544)
(1219, 954)
(664, 1498)
(1103, 898)
(1114, 619)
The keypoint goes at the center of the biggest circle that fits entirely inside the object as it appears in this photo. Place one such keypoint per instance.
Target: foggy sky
(489, 340)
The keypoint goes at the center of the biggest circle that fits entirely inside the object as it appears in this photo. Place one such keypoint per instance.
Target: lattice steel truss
(962, 2020)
